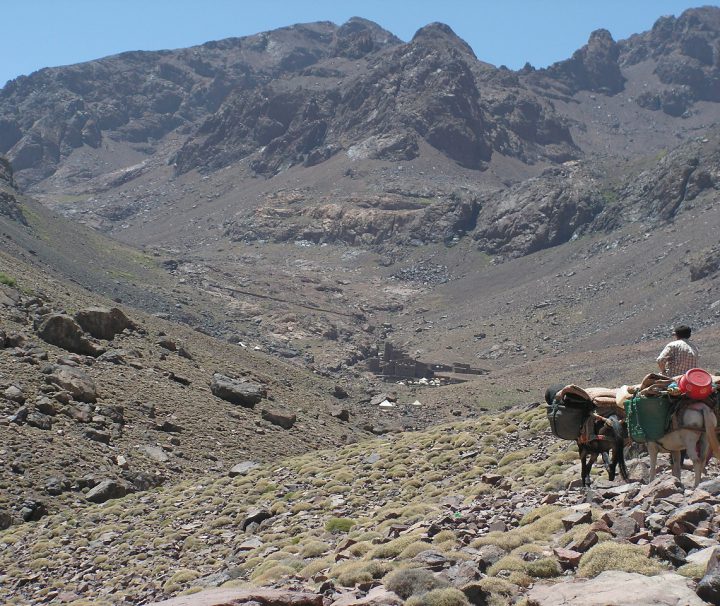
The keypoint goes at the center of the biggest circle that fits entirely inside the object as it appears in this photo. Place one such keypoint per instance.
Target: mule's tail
(710, 422)
(618, 434)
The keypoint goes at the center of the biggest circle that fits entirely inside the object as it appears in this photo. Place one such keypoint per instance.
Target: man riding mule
(674, 417)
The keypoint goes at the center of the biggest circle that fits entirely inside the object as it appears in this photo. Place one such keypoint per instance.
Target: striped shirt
(678, 357)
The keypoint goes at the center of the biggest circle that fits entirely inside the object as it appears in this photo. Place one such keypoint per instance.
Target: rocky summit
(277, 314)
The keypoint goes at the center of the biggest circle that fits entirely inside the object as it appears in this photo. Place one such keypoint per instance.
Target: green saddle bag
(647, 419)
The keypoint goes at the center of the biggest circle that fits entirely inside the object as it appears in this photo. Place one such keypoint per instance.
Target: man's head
(682, 332)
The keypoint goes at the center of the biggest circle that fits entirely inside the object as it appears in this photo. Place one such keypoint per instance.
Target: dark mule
(608, 440)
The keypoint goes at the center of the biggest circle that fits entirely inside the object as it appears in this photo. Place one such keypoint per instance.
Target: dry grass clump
(315, 566)
(538, 513)
(520, 579)
(313, 549)
(360, 549)
(349, 574)
(272, 574)
(540, 529)
(407, 582)
(394, 548)
(577, 533)
(541, 568)
(221, 522)
(413, 549)
(617, 556)
(517, 455)
(554, 482)
(339, 525)
(444, 535)
(693, 571)
(447, 596)
(365, 535)
(300, 506)
(182, 576)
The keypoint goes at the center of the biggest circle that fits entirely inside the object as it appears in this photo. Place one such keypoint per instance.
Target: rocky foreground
(481, 512)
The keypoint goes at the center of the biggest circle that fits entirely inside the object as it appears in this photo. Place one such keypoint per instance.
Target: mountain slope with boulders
(481, 512)
(98, 402)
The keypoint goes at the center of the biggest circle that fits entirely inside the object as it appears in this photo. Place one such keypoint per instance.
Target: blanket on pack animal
(605, 400)
(601, 402)
(653, 385)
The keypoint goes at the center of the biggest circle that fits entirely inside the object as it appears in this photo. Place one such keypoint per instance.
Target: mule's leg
(592, 457)
(585, 467)
(586, 462)
(581, 454)
(606, 461)
(677, 464)
(614, 460)
(620, 458)
(653, 453)
(701, 456)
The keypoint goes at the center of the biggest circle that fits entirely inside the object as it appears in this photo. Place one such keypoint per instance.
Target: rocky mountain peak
(357, 37)
(440, 33)
(692, 35)
(593, 67)
(687, 59)
(355, 24)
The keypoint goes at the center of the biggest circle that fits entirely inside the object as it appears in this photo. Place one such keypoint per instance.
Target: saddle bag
(647, 418)
(567, 416)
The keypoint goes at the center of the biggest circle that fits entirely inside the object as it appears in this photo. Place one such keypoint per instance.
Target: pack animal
(609, 444)
(695, 435)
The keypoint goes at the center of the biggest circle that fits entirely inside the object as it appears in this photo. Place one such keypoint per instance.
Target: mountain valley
(207, 254)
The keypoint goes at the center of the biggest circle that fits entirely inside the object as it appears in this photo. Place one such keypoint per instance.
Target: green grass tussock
(7, 280)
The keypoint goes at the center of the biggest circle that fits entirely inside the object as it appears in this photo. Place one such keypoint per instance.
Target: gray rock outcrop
(103, 322)
(237, 392)
(75, 381)
(280, 418)
(106, 490)
(63, 331)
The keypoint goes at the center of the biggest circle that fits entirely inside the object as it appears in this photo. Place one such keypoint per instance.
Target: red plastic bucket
(696, 383)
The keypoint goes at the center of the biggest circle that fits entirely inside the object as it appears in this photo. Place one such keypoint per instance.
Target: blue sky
(43, 33)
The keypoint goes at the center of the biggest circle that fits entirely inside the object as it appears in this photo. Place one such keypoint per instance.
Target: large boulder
(103, 322)
(237, 392)
(243, 468)
(280, 418)
(61, 330)
(615, 587)
(6, 520)
(74, 381)
(709, 586)
(106, 490)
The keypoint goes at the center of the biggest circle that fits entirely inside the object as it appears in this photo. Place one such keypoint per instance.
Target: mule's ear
(550, 393)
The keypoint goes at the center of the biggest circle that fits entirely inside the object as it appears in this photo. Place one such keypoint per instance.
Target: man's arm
(664, 357)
